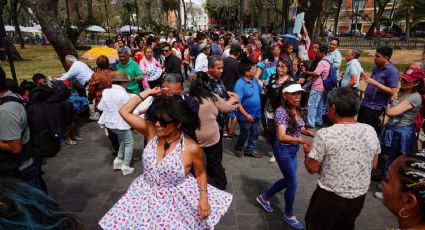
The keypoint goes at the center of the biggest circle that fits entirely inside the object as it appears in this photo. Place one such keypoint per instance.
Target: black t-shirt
(172, 64)
(230, 73)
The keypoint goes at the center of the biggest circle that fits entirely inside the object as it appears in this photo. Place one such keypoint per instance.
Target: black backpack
(48, 117)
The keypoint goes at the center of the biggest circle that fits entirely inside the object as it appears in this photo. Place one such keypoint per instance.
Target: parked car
(419, 33)
(352, 33)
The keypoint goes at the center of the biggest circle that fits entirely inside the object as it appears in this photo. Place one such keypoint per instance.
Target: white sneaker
(126, 170)
(272, 159)
(117, 163)
(378, 195)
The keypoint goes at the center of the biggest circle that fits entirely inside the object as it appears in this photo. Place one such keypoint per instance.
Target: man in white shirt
(112, 100)
(201, 62)
(78, 70)
(351, 76)
(343, 155)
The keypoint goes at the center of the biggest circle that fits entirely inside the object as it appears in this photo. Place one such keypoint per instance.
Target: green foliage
(417, 14)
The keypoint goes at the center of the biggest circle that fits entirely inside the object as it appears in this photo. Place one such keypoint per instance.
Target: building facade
(357, 15)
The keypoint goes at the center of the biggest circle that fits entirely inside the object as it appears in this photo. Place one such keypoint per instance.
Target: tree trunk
(241, 16)
(377, 18)
(6, 44)
(184, 16)
(14, 16)
(137, 14)
(408, 24)
(311, 14)
(46, 13)
(337, 17)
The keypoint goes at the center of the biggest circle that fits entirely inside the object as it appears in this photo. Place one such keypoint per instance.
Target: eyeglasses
(165, 51)
(163, 123)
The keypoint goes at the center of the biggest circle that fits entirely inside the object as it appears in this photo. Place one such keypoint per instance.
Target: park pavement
(81, 179)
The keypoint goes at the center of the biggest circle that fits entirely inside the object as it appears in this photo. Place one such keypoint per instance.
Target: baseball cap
(292, 88)
(412, 74)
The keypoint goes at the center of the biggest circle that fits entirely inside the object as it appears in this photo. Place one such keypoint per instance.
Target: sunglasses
(163, 123)
(165, 51)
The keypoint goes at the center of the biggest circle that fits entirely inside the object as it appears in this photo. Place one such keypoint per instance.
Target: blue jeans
(315, 108)
(248, 131)
(286, 157)
(126, 145)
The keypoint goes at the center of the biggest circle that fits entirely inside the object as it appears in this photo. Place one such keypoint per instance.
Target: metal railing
(373, 43)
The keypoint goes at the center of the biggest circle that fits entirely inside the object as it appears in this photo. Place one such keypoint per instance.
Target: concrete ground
(81, 179)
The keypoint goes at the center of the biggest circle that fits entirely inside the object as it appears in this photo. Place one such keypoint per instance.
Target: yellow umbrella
(94, 53)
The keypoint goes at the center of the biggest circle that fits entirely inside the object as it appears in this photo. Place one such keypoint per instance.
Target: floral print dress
(163, 197)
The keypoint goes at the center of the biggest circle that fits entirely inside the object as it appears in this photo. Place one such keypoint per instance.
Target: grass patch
(368, 66)
(38, 59)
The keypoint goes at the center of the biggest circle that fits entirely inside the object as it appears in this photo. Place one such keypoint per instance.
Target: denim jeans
(286, 158)
(315, 108)
(126, 145)
(248, 131)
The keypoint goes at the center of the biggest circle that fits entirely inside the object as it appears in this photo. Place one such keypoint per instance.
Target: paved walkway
(81, 179)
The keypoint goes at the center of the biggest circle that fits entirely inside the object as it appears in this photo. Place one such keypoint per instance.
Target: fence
(373, 43)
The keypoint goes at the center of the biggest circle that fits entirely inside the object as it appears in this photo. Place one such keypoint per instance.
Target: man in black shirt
(172, 64)
(230, 67)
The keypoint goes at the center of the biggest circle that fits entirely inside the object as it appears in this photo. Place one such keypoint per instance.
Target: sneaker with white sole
(117, 163)
(378, 195)
(126, 170)
(272, 159)
(293, 222)
(264, 204)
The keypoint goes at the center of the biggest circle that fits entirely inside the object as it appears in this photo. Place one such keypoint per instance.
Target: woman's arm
(286, 139)
(399, 109)
(198, 166)
(307, 132)
(136, 122)
(226, 106)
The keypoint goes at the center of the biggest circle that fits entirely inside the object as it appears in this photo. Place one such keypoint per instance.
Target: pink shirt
(322, 69)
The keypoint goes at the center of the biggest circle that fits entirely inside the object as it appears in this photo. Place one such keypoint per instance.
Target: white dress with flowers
(163, 197)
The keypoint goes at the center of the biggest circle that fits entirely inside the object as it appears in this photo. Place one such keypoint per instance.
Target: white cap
(293, 88)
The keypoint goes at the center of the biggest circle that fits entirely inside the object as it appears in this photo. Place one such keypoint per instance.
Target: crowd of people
(186, 93)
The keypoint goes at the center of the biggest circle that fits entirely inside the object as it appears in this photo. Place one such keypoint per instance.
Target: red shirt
(255, 55)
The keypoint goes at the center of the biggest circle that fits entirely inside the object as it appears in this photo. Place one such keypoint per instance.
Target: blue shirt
(249, 97)
(374, 98)
(268, 69)
(353, 67)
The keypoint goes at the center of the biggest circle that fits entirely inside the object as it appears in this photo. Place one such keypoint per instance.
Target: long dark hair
(176, 108)
(292, 122)
(288, 65)
(199, 89)
(24, 207)
(268, 54)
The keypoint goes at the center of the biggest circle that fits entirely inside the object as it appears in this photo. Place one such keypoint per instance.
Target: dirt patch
(399, 56)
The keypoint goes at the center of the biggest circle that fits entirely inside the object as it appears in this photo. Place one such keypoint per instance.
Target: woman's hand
(204, 207)
(307, 147)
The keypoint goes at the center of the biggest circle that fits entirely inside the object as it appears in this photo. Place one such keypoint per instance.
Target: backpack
(331, 80)
(48, 117)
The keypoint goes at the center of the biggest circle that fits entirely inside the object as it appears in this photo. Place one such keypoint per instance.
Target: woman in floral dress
(167, 195)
